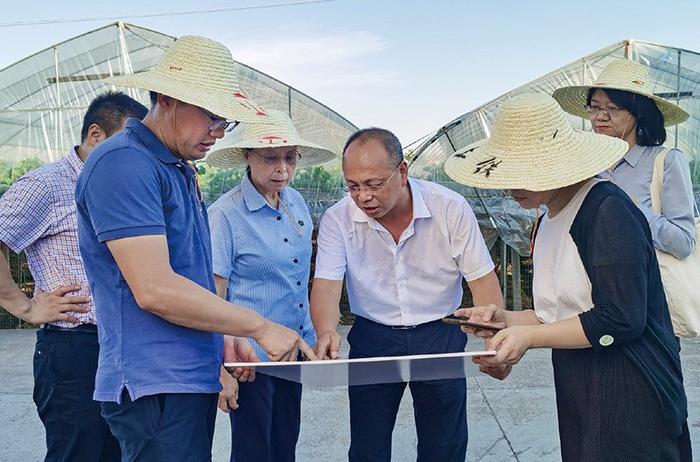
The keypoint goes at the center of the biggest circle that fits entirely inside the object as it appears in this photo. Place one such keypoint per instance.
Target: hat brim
(481, 165)
(233, 105)
(234, 156)
(573, 100)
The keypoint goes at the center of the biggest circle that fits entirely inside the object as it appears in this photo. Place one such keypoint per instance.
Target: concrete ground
(513, 420)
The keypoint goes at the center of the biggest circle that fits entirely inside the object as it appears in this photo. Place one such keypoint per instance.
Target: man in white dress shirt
(403, 246)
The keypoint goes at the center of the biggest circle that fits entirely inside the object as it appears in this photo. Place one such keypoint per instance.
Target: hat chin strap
(173, 124)
(554, 197)
(622, 135)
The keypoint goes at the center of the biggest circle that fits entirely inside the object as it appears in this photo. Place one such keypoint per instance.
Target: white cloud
(342, 60)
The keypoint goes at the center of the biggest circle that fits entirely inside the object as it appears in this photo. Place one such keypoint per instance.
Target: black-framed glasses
(372, 188)
(217, 123)
(291, 158)
(611, 111)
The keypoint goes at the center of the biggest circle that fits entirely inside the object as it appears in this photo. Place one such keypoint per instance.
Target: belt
(399, 327)
(84, 328)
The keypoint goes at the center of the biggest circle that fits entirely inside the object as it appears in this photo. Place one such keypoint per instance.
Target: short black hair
(109, 110)
(650, 121)
(391, 143)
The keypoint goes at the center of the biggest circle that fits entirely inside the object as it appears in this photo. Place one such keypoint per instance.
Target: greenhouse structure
(45, 95)
(675, 75)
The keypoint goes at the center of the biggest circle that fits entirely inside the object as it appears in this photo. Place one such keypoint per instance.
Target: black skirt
(608, 411)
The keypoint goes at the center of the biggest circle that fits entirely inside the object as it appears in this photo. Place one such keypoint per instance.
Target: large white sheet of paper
(369, 371)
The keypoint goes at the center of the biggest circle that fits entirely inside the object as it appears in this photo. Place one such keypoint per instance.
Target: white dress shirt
(415, 281)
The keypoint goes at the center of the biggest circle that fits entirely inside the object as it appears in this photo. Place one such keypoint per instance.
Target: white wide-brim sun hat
(198, 71)
(533, 147)
(621, 74)
(279, 132)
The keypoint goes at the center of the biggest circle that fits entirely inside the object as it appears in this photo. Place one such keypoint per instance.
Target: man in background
(38, 216)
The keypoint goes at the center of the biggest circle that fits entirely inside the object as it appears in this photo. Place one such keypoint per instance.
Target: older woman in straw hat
(261, 237)
(621, 104)
(598, 298)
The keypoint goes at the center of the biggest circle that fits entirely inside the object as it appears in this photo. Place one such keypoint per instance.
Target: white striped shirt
(262, 255)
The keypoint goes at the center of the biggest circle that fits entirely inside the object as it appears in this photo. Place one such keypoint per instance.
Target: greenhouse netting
(44, 98)
(675, 75)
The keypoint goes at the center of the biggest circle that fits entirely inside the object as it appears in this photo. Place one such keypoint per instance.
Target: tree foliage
(215, 181)
(11, 171)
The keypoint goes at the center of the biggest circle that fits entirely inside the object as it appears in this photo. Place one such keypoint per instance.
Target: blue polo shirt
(265, 256)
(131, 185)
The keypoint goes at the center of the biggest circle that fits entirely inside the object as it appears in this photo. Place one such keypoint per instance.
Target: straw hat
(621, 74)
(278, 132)
(533, 147)
(198, 71)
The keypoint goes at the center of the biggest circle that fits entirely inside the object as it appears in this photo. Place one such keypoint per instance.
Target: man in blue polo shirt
(144, 238)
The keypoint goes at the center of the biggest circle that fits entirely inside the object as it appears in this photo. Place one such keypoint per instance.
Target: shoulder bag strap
(657, 180)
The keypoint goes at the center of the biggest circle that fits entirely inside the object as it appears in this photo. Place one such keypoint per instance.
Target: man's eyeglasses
(290, 158)
(217, 123)
(372, 188)
(611, 111)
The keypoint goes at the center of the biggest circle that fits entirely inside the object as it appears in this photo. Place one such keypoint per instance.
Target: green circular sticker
(606, 340)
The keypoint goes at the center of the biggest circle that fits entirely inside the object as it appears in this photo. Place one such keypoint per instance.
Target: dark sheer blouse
(629, 306)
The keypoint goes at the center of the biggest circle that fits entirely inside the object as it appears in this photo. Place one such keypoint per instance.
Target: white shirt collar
(420, 209)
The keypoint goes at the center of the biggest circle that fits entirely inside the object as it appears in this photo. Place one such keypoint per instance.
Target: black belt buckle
(403, 327)
(84, 328)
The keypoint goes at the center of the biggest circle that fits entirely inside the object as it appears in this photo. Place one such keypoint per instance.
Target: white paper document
(369, 371)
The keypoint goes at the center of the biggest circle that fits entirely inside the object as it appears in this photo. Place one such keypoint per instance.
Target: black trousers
(64, 381)
(165, 427)
(440, 406)
(265, 427)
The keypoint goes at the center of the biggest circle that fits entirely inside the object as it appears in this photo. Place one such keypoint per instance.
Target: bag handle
(657, 183)
(657, 180)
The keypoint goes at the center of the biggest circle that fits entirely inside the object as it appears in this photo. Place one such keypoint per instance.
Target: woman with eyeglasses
(597, 294)
(621, 104)
(261, 245)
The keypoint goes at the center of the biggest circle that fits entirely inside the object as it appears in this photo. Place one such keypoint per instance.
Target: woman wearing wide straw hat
(597, 293)
(261, 239)
(621, 104)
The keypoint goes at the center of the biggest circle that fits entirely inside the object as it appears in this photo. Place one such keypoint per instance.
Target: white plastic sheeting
(44, 98)
(675, 75)
(370, 371)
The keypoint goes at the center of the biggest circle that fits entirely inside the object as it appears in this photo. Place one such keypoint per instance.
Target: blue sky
(410, 66)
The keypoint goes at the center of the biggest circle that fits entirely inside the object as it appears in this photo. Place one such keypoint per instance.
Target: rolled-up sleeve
(331, 257)
(673, 230)
(619, 258)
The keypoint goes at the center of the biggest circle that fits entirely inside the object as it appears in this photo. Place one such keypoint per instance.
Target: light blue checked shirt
(673, 230)
(265, 260)
(38, 216)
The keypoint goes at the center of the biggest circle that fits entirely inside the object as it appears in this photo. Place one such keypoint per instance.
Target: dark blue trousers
(64, 381)
(440, 406)
(164, 427)
(265, 427)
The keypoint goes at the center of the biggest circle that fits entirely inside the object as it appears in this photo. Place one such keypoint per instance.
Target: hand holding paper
(238, 349)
